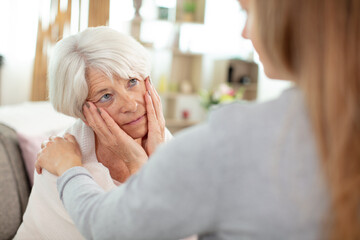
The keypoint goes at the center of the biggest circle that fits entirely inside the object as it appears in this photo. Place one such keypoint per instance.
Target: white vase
(185, 87)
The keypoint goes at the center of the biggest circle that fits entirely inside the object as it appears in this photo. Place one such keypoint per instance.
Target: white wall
(18, 29)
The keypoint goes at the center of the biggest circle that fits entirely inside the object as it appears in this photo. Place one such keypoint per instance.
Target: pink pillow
(30, 146)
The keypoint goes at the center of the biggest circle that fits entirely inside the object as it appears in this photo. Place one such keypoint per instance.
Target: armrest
(14, 187)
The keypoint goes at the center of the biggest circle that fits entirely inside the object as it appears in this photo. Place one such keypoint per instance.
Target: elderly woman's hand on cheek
(155, 117)
(58, 155)
(114, 138)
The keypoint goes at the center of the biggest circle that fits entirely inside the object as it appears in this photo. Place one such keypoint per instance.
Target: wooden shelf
(186, 54)
(175, 125)
(177, 95)
(180, 123)
(177, 22)
(189, 22)
(185, 66)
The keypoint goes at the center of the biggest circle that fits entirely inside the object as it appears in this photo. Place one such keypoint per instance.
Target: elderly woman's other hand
(58, 155)
(155, 117)
(114, 138)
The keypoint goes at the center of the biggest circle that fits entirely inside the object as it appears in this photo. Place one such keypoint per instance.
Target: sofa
(15, 185)
(22, 129)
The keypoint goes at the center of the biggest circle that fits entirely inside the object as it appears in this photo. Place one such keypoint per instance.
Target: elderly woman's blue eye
(133, 82)
(105, 98)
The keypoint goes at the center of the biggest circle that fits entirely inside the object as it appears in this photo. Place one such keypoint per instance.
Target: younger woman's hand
(114, 138)
(155, 117)
(58, 155)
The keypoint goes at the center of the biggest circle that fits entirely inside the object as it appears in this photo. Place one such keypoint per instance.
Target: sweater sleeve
(173, 196)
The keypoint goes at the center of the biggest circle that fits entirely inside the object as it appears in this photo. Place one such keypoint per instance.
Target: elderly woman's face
(123, 99)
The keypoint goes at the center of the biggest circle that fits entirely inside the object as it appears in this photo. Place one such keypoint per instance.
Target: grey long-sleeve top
(250, 172)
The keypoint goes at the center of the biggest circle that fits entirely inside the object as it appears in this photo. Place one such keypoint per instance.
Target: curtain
(48, 35)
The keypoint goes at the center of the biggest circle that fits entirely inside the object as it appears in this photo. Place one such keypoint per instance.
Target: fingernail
(98, 110)
(87, 104)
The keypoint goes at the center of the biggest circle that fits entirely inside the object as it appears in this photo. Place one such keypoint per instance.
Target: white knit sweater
(45, 216)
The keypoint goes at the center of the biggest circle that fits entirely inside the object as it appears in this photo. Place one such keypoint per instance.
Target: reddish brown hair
(318, 42)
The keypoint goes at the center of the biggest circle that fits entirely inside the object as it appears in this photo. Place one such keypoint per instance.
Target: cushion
(14, 187)
(30, 145)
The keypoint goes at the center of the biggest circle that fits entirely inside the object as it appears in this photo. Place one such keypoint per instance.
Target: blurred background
(199, 57)
(199, 60)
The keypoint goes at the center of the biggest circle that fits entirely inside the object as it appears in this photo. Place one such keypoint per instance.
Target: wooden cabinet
(238, 73)
(181, 81)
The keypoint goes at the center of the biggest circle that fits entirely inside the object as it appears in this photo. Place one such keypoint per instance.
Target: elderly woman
(97, 70)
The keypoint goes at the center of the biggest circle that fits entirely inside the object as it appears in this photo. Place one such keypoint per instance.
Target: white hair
(100, 48)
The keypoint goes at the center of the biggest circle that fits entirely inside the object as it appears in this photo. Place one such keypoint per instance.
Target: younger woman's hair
(318, 41)
(101, 48)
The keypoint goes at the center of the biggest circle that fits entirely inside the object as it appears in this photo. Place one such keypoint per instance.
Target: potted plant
(189, 8)
(222, 95)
